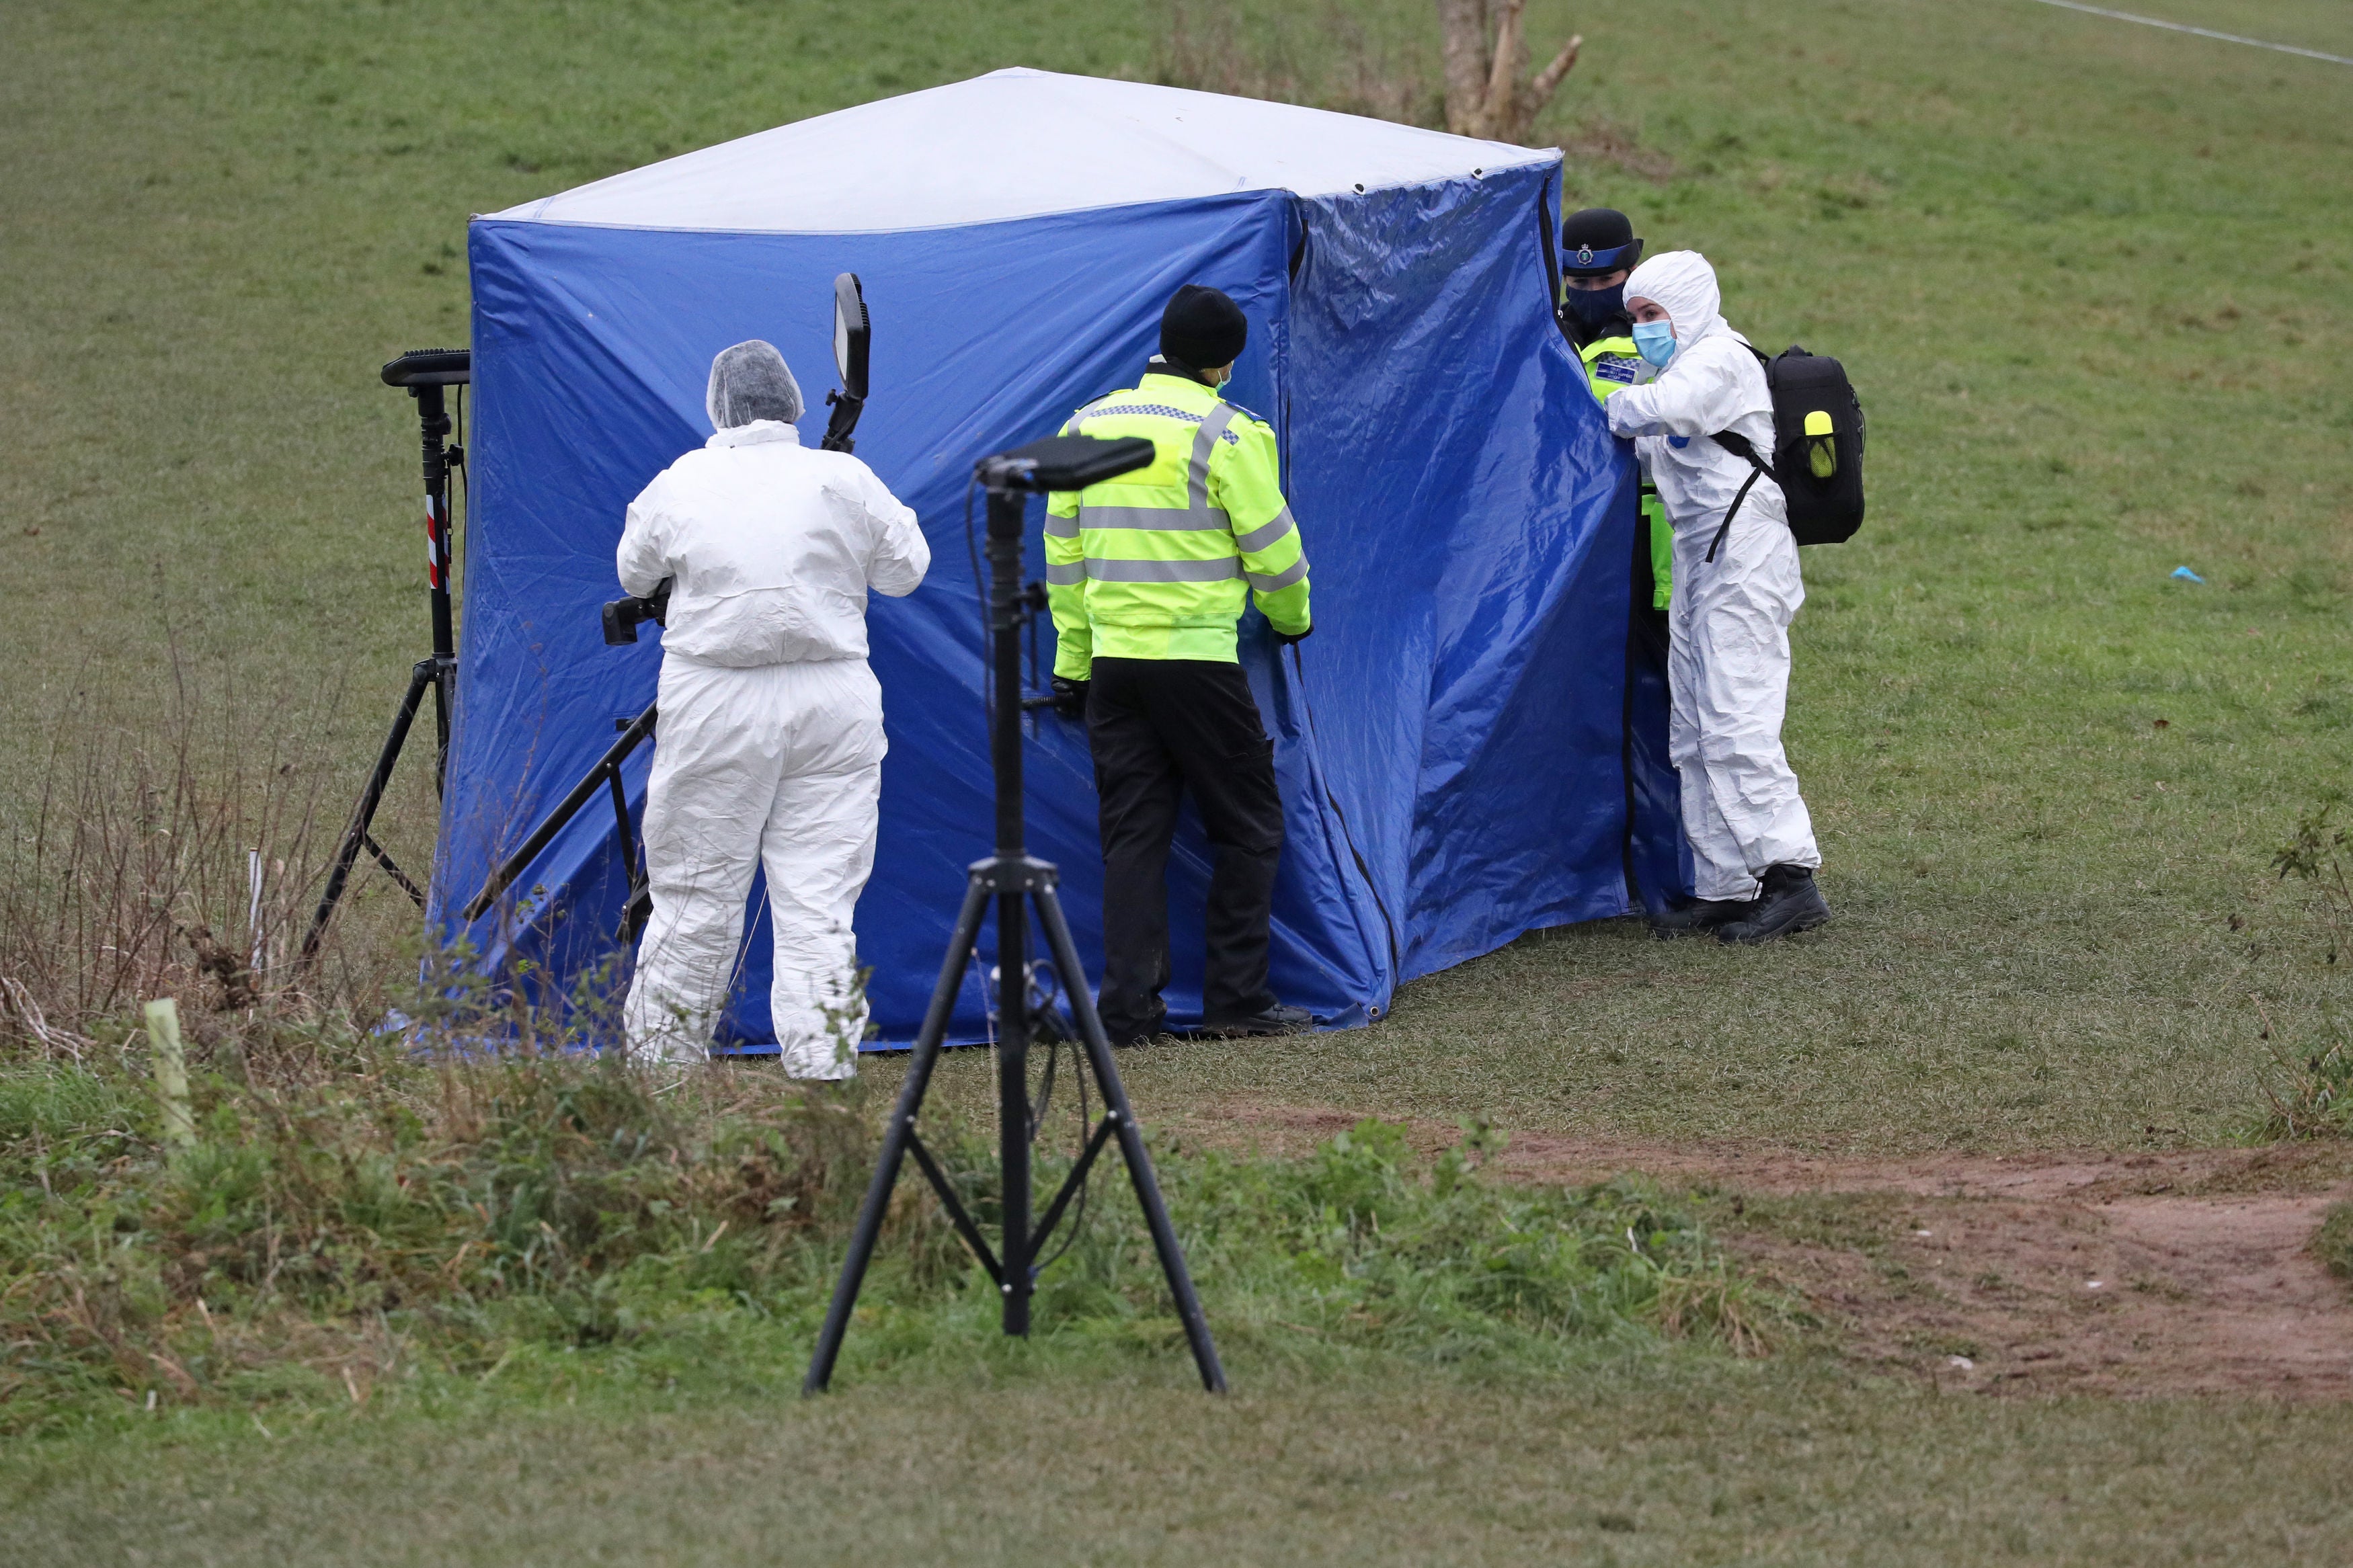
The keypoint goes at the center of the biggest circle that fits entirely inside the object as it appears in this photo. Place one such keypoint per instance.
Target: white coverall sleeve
(900, 554)
(643, 559)
(1698, 396)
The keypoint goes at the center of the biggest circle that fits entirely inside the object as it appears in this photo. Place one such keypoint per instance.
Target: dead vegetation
(350, 1205)
(1470, 75)
(1324, 59)
(171, 850)
(1596, 140)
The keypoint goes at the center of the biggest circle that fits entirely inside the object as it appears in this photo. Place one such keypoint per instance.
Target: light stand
(1018, 882)
(424, 372)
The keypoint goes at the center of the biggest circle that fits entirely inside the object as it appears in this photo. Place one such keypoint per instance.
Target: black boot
(1126, 1034)
(1278, 1019)
(1788, 903)
(1699, 916)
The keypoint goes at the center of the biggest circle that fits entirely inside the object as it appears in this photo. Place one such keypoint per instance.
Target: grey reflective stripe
(1163, 571)
(1156, 518)
(1061, 527)
(1295, 572)
(1062, 576)
(1070, 425)
(1259, 538)
(1205, 441)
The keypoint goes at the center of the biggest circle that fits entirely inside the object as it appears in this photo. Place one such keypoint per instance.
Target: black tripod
(424, 372)
(1016, 882)
(606, 776)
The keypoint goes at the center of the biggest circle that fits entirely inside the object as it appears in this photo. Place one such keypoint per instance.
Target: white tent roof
(1017, 143)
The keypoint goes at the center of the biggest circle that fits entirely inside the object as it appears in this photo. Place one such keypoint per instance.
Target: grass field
(1661, 1465)
(2092, 280)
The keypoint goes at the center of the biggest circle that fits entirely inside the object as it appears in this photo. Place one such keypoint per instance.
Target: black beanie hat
(1202, 328)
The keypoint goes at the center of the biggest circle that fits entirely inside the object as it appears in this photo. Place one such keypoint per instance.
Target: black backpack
(1817, 436)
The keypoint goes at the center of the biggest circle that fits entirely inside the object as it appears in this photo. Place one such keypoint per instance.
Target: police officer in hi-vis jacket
(1147, 575)
(1598, 250)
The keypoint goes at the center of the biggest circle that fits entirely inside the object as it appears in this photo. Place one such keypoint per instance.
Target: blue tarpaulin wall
(1453, 742)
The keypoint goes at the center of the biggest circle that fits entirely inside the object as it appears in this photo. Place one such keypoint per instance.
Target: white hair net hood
(749, 382)
(1682, 283)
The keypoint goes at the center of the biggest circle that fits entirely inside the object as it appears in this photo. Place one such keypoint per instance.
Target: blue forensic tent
(1462, 755)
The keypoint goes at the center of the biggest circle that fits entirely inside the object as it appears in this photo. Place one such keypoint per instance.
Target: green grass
(2091, 278)
(353, 1220)
(1640, 1463)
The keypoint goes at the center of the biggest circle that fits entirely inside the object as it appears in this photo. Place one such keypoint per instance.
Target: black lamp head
(1064, 463)
(430, 367)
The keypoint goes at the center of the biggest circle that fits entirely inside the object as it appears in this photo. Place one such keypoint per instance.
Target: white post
(171, 1072)
(253, 910)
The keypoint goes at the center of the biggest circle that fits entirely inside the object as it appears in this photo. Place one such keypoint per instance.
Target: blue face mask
(1655, 341)
(1592, 307)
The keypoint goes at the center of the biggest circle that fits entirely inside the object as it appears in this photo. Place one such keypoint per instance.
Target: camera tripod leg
(355, 836)
(896, 1136)
(511, 869)
(640, 903)
(445, 682)
(639, 912)
(1065, 954)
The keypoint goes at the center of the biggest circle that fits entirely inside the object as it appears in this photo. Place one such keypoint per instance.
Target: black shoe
(1123, 1036)
(1276, 1020)
(1789, 903)
(1699, 916)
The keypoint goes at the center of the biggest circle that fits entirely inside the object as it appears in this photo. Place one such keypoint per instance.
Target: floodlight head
(1064, 463)
(852, 333)
(430, 367)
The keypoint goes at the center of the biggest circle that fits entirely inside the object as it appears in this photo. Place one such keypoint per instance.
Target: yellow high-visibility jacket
(1154, 564)
(1612, 364)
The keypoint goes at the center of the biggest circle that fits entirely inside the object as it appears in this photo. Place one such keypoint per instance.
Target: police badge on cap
(1598, 241)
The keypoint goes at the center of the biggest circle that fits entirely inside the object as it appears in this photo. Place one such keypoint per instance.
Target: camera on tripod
(425, 374)
(623, 616)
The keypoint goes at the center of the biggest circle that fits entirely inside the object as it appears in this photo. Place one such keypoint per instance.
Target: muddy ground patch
(2140, 1273)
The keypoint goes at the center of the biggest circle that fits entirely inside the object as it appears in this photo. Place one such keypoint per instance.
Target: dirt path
(2180, 1272)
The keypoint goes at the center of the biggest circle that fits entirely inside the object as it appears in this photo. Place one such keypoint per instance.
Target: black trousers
(1159, 728)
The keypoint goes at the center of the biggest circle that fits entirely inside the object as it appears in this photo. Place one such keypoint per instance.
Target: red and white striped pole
(437, 544)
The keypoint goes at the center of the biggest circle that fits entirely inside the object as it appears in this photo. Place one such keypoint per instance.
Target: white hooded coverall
(768, 750)
(1728, 619)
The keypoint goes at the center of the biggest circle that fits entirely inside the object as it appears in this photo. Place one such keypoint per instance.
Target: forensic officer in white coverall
(1735, 591)
(769, 746)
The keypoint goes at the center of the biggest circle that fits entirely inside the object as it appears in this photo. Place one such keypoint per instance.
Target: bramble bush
(382, 1215)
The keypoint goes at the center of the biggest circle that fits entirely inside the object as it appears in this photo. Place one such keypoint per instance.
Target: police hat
(1597, 242)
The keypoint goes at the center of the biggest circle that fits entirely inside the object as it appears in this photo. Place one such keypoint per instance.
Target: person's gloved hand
(1286, 639)
(1070, 698)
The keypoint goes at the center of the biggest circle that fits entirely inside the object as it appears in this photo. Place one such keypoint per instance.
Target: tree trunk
(1502, 121)
(1484, 94)
(1462, 26)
